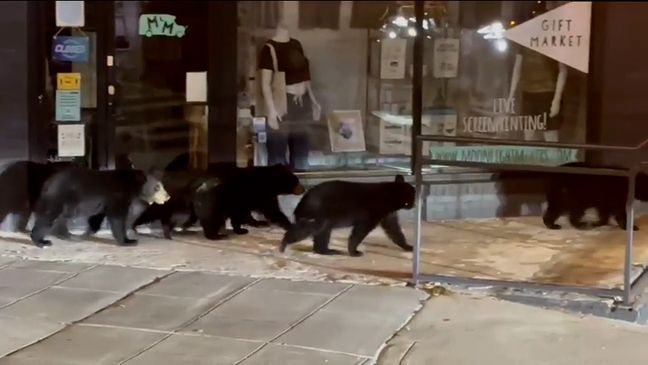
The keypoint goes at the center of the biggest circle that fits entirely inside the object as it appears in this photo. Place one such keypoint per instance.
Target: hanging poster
(346, 132)
(196, 87)
(68, 106)
(446, 58)
(562, 34)
(70, 14)
(393, 54)
(71, 140)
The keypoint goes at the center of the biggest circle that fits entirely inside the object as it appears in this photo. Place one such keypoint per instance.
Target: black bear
(95, 194)
(573, 194)
(179, 209)
(339, 204)
(21, 183)
(241, 191)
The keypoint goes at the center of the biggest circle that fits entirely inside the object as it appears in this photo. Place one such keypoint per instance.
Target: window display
(476, 83)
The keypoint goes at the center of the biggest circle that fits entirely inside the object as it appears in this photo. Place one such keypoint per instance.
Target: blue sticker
(70, 49)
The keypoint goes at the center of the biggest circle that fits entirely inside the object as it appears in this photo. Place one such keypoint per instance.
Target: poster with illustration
(346, 131)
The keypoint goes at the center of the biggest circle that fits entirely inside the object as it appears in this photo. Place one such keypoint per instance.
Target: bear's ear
(399, 179)
(156, 172)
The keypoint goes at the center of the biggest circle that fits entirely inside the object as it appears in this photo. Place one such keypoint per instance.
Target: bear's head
(153, 191)
(283, 180)
(404, 193)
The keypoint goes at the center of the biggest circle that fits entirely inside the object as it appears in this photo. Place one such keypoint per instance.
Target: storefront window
(160, 95)
(333, 104)
(478, 83)
(328, 85)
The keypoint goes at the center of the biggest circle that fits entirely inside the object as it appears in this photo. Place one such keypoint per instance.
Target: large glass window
(330, 84)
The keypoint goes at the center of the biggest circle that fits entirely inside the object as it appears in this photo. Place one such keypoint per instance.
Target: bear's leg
(191, 220)
(60, 229)
(44, 220)
(622, 219)
(94, 224)
(603, 217)
(321, 242)
(576, 218)
(302, 229)
(22, 220)
(360, 230)
(238, 218)
(273, 213)
(118, 227)
(550, 216)
(393, 230)
(167, 227)
(212, 227)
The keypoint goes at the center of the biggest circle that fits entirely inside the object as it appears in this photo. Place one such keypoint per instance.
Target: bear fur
(21, 183)
(573, 194)
(179, 209)
(340, 204)
(95, 194)
(236, 193)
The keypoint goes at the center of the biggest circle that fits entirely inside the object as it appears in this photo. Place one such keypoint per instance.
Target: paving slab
(152, 312)
(4, 260)
(258, 314)
(58, 266)
(29, 278)
(113, 278)
(195, 350)
(197, 285)
(293, 286)
(81, 345)
(289, 355)
(20, 332)
(61, 304)
(18, 283)
(460, 329)
(357, 322)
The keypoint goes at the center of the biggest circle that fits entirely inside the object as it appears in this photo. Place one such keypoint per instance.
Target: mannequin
(290, 130)
(542, 88)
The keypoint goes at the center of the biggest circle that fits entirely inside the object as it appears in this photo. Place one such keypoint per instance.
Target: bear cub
(83, 192)
(573, 194)
(340, 204)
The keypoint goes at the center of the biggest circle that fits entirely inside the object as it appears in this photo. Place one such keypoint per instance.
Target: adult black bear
(339, 204)
(573, 194)
(242, 191)
(91, 193)
(21, 183)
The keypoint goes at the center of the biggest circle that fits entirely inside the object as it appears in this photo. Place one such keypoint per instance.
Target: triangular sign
(562, 34)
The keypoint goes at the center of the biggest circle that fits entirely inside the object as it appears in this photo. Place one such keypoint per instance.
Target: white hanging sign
(562, 34)
(70, 14)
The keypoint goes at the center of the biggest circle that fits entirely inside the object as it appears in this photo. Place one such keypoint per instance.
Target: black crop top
(290, 59)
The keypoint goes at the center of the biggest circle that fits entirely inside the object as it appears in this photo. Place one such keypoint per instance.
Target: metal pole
(627, 280)
(418, 174)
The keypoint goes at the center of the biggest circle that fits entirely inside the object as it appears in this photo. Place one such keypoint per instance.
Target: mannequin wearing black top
(289, 131)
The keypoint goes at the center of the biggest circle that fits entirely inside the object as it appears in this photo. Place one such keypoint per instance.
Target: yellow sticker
(68, 81)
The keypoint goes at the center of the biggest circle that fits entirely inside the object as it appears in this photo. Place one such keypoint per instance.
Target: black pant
(292, 135)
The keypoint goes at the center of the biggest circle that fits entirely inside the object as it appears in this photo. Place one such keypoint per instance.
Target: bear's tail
(297, 232)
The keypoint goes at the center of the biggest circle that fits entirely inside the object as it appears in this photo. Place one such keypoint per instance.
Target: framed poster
(346, 131)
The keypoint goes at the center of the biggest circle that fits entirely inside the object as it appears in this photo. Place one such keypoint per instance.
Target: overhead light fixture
(403, 24)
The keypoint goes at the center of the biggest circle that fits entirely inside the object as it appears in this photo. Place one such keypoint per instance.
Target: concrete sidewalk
(72, 313)
(461, 329)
